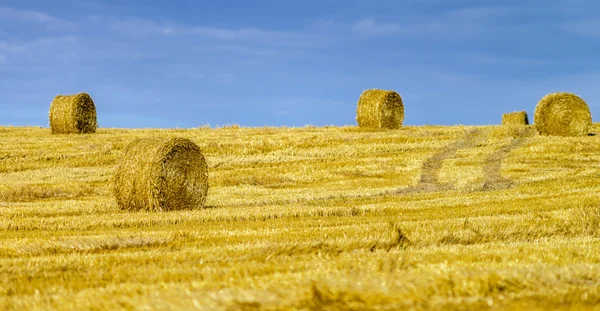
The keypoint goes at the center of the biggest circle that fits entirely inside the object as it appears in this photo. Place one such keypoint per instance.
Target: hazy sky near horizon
(293, 62)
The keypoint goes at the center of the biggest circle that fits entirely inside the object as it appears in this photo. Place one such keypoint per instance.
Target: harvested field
(422, 218)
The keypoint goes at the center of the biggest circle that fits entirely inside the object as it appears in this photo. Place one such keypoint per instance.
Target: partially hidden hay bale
(161, 175)
(73, 114)
(515, 118)
(562, 114)
(380, 109)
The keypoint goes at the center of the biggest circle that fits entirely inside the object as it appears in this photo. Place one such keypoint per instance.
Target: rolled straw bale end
(161, 175)
(562, 114)
(73, 114)
(380, 109)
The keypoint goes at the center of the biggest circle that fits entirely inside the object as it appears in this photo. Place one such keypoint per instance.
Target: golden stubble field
(334, 218)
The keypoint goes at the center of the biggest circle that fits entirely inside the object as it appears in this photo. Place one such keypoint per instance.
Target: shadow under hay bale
(161, 175)
(562, 114)
(73, 114)
(380, 109)
(515, 118)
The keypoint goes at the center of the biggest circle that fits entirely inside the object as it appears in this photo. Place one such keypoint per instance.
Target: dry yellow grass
(424, 218)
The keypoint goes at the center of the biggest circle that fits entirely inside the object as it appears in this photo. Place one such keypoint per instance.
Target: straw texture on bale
(161, 175)
(562, 114)
(380, 109)
(73, 114)
(515, 118)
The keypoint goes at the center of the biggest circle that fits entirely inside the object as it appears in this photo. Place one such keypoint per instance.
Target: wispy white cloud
(477, 13)
(186, 71)
(369, 27)
(499, 60)
(135, 26)
(11, 47)
(191, 71)
(27, 16)
(589, 28)
(237, 44)
(223, 34)
(130, 26)
(43, 50)
(243, 49)
(225, 77)
(451, 23)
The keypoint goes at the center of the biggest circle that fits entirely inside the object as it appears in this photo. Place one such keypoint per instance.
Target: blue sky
(293, 62)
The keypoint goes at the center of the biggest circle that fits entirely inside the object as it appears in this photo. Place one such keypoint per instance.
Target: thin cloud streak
(26, 16)
(587, 28)
(142, 27)
(370, 27)
(12, 14)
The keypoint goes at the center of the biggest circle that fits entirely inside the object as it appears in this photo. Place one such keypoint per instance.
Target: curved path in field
(493, 179)
(430, 169)
(493, 164)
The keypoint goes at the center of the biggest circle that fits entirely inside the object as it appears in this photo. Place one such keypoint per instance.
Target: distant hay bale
(562, 114)
(161, 175)
(380, 109)
(73, 114)
(515, 118)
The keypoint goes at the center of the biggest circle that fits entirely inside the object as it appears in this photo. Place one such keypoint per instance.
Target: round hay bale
(380, 109)
(562, 114)
(73, 114)
(515, 118)
(161, 175)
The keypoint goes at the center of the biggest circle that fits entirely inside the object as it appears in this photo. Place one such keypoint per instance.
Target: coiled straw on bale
(562, 114)
(161, 175)
(515, 118)
(73, 114)
(380, 109)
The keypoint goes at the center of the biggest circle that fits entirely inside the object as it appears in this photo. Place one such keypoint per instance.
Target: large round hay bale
(380, 109)
(161, 175)
(73, 114)
(562, 114)
(515, 118)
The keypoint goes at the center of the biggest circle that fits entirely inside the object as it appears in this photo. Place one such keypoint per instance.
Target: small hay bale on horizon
(161, 174)
(380, 109)
(515, 118)
(73, 114)
(562, 114)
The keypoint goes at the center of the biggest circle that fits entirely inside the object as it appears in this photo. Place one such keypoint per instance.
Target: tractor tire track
(430, 169)
(493, 164)
(429, 180)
